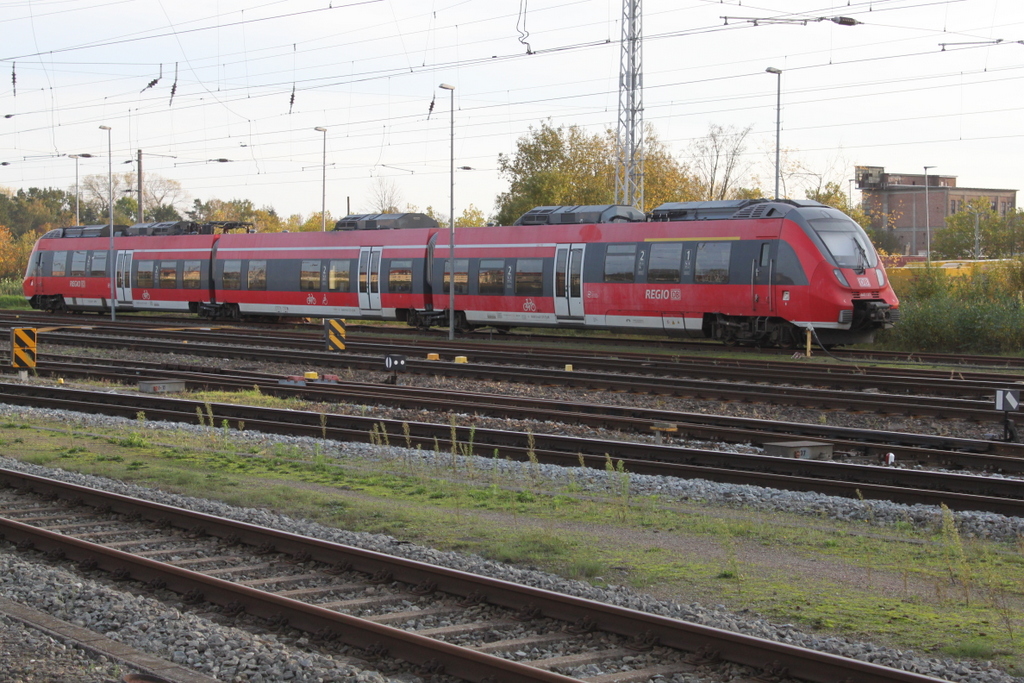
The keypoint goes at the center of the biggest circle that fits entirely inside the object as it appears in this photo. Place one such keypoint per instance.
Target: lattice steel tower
(629, 169)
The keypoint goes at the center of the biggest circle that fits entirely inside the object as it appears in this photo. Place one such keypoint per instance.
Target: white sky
(883, 93)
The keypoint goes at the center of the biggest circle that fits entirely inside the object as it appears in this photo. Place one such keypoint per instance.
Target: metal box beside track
(161, 386)
(803, 450)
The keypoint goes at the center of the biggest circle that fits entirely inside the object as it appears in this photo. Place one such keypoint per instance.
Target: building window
(954, 205)
(256, 275)
(232, 278)
(309, 276)
(529, 277)
(191, 276)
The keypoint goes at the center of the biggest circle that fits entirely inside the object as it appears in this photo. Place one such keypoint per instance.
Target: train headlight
(841, 277)
(880, 276)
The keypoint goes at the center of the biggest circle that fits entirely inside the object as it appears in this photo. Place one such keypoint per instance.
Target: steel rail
(956, 491)
(952, 452)
(802, 663)
(971, 410)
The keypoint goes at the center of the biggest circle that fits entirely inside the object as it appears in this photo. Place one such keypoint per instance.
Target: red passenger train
(748, 271)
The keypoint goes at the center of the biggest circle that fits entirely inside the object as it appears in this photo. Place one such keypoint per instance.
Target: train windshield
(846, 242)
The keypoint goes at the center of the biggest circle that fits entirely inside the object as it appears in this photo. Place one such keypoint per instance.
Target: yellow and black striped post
(334, 333)
(23, 347)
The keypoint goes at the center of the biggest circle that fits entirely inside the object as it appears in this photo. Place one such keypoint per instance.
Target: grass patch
(929, 590)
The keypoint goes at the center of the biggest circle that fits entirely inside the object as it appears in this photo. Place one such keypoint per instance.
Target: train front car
(849, 296)
(768, 272)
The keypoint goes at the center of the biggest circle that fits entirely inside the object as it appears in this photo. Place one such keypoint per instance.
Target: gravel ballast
(68, 596)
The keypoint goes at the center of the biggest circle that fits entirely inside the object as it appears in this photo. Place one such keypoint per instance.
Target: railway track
(748, 383)
(849, 443)
(386, 606)
(956, 491)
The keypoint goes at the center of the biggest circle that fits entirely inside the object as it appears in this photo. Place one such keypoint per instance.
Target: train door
(123, 277)
(762, 276)
(369, 279)
(569, 281)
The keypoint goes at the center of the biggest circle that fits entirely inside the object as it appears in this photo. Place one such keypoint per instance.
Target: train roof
(729, 208)
(85, 231)
(595, 213)
(386, 221)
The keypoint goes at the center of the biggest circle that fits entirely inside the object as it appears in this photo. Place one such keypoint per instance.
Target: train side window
(309, 276)
(78, 263)
(400, 276)
(529, 277)
(256, 275)
(191, 275)
(620, 263)
(99, 264)
(338, 278)
(168, 274)
(461, 275)
(491, 278)
(665, 262)
(144, 275)
(364, 261)
(766, 251)
(60, 261)
(232, 278)
(712, 264)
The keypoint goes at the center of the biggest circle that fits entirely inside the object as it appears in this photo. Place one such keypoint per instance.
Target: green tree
(554, 167)
(471, 217)
(976, 231)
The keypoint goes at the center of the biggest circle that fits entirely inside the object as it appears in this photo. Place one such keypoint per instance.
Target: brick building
(897, 201)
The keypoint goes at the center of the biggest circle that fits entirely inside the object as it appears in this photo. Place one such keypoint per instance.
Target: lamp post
(778, 121)
(323, 186)
(110, 195)
(451, 227)
(76, 157)
(927, 221)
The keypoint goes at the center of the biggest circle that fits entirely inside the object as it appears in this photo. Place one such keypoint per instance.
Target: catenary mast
(629, 171)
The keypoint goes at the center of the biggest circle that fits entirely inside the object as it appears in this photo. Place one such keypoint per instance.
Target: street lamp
(778, 121)
(323, 190)
(110, 195)
(76, 157)
(451, 227)
(927, 222)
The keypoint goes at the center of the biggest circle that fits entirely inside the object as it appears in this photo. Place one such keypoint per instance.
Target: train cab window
(78, 259)
(309, 276)
(191, 275)
(712, 264)
(491, 278)
(529, 277)
(400, 276)
(98, 267)
(256, 275)
(666, 258)
(144, 275)
(338, 279)
(461, 275)
(168, 274)
(620, 263)
(766, 254)
(232, 278)
(60, 262)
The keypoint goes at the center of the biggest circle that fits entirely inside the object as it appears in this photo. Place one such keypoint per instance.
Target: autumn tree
(14, 253)
(385, 197)
(161, 196)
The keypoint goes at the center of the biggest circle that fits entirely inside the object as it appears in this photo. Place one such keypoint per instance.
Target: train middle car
(749, 271)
